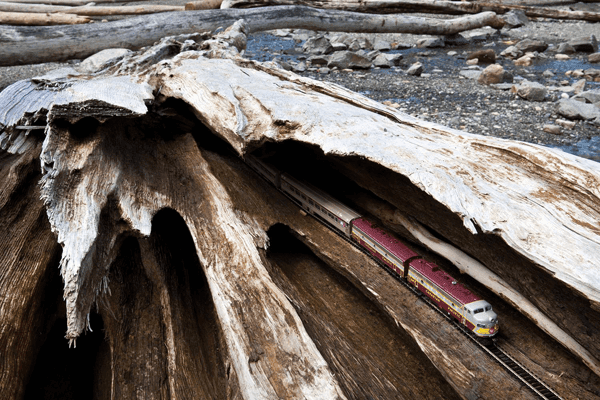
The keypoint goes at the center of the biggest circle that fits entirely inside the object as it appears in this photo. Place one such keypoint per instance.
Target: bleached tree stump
(169, 234)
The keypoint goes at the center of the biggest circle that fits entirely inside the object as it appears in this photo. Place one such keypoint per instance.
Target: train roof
(346, 214)
(442, 279)
(385, 239)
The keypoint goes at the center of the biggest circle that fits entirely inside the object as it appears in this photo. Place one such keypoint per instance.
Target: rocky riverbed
(541, 89)
(547, 90)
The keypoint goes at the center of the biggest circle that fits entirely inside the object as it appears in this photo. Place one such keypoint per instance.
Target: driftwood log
(20, 18)
(87, 10)
(419, 6)
(209, 283)
(26, 45)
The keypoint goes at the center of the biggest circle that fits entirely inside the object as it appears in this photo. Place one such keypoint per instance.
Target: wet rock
(531, 45)
(592, 74)
(381, 61)
(348, 59)
(300, 67)
(395, 59)
(594, 58)
(531, 91)
(371, 55)
(382, 45)
(365, 43)
(487, 56)
(578, 86)
(565, 48)
(512, 52)
(588, 44)
(416, 69)
(401, 46)
(494, 73)
(317, 45)
(456, 40)
(318, 60)
(553, 129)
(515, 19)
(339, 46)
(100, 59)
(354, 45)
(590, 96)
(548, 74)
(282, 32)
(524, 61)
(430, 43)
(573, 109)
(470, 73)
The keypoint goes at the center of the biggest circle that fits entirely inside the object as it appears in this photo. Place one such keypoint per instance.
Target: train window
(488, 308)
(477, 311)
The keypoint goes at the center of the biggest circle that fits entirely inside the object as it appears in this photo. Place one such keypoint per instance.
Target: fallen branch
(87, 10)
(18, 18)
(36, 45)
(418, 6)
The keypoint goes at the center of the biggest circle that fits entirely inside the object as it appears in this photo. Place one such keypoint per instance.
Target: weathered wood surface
(20, 18)
(20, 45)
(88, 10)
(106, 184)
(420, 6)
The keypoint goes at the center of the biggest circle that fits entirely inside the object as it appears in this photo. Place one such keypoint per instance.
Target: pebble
(416, 69)
(553, 129)
(524, 61)
(566, 124)
(472, 61)
(562, 57)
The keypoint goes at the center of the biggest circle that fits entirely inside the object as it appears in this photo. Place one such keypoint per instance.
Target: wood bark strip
(87, 10)
(34, 19)
(35, 45)
(419, 6)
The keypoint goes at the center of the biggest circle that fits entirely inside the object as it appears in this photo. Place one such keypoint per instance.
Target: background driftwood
(21, 45)
(419, 6)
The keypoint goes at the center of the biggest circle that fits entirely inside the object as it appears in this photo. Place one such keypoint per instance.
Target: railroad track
(516, 369)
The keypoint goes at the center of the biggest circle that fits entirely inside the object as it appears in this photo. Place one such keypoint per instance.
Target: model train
(448, 294)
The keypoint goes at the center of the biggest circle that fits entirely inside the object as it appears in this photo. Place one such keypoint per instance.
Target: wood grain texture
(125, 144)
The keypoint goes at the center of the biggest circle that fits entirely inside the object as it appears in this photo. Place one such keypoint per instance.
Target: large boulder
(317, 45)
(347, 59)
(573, 109)
(587, 44)
(531, 45)
(494, 73)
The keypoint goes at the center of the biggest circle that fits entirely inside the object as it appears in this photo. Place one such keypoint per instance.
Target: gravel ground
(441, 94)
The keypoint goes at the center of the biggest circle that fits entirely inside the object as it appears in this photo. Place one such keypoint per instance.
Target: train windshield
(477, 311)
